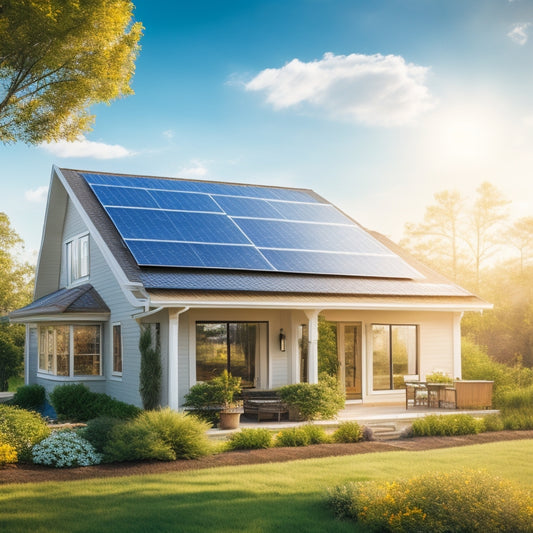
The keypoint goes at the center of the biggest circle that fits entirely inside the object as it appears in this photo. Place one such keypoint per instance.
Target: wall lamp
(282, 341)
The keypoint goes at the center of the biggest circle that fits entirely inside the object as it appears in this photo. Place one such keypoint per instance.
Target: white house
(227, 276)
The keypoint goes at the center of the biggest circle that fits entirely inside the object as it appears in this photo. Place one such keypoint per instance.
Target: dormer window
(77, 252)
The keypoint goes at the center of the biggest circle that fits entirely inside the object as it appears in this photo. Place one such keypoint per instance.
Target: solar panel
(181, 223)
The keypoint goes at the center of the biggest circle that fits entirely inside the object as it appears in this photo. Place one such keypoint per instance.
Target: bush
(30, 397)
(21, 429)
(445, 425)
(460, 501)
(493, 422)
(301, 436)
(348, 432)
(132, 441)
(98, 431)
(250, 439)
(517, 420)
(65, 449)
(320, 400)
(8, 454)
(78, 404)
(184, 434)
(438, 377)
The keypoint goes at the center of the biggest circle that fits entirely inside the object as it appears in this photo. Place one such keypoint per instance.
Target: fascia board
(65, 317)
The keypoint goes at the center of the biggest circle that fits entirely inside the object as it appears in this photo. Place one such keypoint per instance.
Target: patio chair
(416, 392)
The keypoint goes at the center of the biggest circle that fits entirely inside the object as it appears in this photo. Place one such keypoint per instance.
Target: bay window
(70, 350)
(394, 355)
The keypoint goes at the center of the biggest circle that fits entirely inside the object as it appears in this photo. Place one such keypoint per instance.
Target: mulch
(32, 473)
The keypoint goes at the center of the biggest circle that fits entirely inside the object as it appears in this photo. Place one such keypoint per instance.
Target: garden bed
(23, 473)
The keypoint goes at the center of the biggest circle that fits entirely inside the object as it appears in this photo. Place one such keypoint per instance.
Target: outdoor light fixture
(282, 344)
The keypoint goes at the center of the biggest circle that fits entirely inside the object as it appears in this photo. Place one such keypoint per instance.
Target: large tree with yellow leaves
(57, 58)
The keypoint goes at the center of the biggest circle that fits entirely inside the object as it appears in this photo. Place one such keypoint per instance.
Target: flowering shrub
(459, 501)
(8, 454)
(21, 429)
(348, 432)
(65, 448)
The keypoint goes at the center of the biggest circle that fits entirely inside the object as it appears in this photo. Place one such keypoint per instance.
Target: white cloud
(84, 148)
(37, 196)
(371, 89)
(168, 134)
(196, 170)
(519, 33)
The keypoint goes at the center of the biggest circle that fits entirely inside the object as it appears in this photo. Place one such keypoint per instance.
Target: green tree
(520, 236)
(150, 376)
(57, 58)
(11, 357)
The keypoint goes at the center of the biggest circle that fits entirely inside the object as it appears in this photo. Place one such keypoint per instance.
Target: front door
(350, 359)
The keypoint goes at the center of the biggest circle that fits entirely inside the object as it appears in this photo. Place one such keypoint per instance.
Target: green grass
(261, 498)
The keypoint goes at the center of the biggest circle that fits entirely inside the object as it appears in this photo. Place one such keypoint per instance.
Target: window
(70, 350)
(117, 349)
(228, 345)
(395, 354)
(77, 252)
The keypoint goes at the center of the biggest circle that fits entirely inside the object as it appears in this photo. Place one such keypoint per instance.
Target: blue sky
(376, 105)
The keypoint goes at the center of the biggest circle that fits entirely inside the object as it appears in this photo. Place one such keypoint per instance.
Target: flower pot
(229, 420)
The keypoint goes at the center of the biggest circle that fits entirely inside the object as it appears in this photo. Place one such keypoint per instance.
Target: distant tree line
(476, 244)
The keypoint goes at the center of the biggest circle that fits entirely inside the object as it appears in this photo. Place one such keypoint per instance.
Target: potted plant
(226, 388)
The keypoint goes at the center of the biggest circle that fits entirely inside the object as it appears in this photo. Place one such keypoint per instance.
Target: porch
(386, 420)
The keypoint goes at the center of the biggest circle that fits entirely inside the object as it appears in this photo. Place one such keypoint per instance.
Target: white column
(312, 365)
(173, 329)
(457, 370)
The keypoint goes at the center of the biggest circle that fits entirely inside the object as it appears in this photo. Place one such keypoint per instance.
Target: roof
(422, 283)
(80, 300)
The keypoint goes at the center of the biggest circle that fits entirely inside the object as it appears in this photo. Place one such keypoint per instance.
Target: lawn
(262, 498)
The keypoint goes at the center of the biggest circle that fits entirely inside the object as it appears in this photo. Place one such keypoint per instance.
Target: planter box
(474, 394)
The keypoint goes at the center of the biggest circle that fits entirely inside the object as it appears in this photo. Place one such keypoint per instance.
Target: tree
(57, 58)
(438, 236)
(16, 277)
(11, 357)
(150, 376)
(486, 220)
(520, 236)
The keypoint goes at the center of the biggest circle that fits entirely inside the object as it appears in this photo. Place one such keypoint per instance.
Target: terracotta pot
(229, 420)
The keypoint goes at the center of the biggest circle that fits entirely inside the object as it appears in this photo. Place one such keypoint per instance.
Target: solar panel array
(195, 224)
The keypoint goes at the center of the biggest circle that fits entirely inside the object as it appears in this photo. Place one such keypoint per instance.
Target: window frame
(71, 355)
(390, 327)
(77, 258)
(227, 323)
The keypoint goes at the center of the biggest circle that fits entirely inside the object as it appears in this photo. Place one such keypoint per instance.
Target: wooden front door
(350, 359)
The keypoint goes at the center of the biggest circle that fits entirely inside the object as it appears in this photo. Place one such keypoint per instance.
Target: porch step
(385, 431)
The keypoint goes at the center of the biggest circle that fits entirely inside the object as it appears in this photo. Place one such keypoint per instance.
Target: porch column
(312, 365)
(457, 345)
(173, 329)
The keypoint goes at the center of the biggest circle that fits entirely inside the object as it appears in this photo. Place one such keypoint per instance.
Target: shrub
(21, 429)
(202, 397)
(517, 420)
(368, 434)
(493, 422)
(184, 434)
(78, 404)
(132, 441)
(29, 397)
(150, 375)
(319, 400)
(438, 377)
(8, 454)
(444, 425)
(250, 439)
(348, 432)
(65, 449)
(301, 436)
(460, 501)
(98, 431)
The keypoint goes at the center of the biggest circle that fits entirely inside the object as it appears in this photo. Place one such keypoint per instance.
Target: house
(227, 276)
